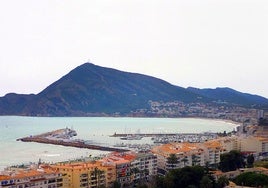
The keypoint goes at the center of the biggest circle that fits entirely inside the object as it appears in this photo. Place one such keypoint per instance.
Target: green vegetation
(252, 179)
(201, 177)
(190, 177)
(116, 184)
(250, 161)
(231, 161)
(222, 182)
(262, 163)
(172, 160)
(187, 176)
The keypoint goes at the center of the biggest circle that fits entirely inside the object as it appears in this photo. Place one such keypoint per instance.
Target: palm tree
(97, 175)
(144, 174)
(135, 171)
(250, 161)
(205, 182)
(195, 160)
(184, 160)
(173, 160)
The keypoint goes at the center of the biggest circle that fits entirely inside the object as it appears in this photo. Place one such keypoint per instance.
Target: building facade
(143, 167)
(178, 155)
(33, 177)
(86, 174)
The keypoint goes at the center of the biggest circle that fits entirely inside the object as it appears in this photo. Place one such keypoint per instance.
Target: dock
(163, 138)
(153, 134)
(62, 137)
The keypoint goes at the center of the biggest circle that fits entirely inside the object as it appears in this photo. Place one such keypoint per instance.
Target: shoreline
(88, 129)
(223, 120)
(61, 137)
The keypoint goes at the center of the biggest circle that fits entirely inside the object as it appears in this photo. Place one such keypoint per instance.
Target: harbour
(94, 131)
(169, 137)
(63, 137)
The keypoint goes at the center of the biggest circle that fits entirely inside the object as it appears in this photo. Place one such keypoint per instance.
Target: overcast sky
(199, 43)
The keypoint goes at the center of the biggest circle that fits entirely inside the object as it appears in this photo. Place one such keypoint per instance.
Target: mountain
(228, 95)
(91, 90)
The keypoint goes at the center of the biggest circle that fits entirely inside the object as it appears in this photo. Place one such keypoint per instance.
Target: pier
(163, 138)
(147, 134)
(62, 137)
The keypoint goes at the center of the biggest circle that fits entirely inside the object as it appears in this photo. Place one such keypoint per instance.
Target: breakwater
(62, 137)
(162, 138)
(149, 134)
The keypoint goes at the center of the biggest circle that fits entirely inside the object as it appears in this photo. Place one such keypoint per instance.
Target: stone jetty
(62, 137)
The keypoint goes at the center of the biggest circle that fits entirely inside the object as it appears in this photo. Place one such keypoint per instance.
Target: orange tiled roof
(76, 165)
(26, 173)
(174, 148)
(4, 177)
(213, 144)
(119, 158)
(264, 139)
(115, 160)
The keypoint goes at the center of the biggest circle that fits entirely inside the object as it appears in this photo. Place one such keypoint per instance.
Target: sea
(96, 130)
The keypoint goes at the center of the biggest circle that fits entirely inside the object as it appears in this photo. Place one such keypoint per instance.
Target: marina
(93, 131)
(169, 137)
(63, 137)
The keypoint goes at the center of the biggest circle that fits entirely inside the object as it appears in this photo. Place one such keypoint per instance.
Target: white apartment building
(144, 166)
(34, 178)
(187, 154)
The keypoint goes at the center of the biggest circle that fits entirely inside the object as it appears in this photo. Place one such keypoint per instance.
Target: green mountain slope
(229, 95)
(91, 89)
(94, 89)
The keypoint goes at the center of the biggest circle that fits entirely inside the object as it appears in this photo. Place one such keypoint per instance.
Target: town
(217, 110)
(137, 168)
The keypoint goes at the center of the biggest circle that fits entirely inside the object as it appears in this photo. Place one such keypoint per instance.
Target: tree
(97, 173)
(195, 159)
(143, 175)
(188, 177)
(206, 182)
(184, 160)
(231, 161)
(191, 186)
(172, 160)
(160, 181)
(134, 171)
(252, 179)
(250, 161)
(222, 182)
(116, 184)
(142, 186)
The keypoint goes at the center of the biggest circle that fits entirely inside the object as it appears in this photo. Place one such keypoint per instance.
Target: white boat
(132, 137)
(120, 145)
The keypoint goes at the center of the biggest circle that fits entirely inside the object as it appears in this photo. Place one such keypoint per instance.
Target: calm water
(96, 130)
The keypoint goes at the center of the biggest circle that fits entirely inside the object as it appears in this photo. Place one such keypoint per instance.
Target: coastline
(94, 129)
(235, 123)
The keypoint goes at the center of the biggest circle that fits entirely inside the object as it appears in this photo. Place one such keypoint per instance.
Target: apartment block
(143, 167)
(187, 154)
(213, 149)
(34, 177)
(122, 163)
(86, 174)
(254, 144)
